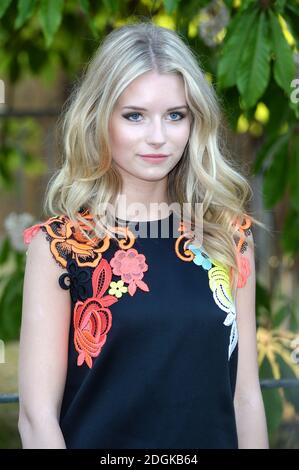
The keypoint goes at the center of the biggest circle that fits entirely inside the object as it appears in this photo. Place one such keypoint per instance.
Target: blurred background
(249, 51)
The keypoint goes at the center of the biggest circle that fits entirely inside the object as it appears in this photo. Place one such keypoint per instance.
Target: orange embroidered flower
(92, 318)
(243, 229)
(130, 265)
(244, 269)
(63, 243)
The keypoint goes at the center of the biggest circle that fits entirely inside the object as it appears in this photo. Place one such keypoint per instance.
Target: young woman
(131, 341)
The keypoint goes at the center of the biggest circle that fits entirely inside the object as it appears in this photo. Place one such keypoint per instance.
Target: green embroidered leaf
(236, 40)
(284, 65)
(253, 72)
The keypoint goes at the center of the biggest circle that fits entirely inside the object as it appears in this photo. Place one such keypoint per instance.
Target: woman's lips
(154, 158)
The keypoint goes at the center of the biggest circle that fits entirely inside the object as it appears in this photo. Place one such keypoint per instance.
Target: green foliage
(16, 152)
(252, 61)
(234, 46)
(284, 66)
(272, 400)
(50, 17)
(12, 265)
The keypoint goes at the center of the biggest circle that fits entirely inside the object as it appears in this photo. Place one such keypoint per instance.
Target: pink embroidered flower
(92, 318)
(130, 265)
(244, 269)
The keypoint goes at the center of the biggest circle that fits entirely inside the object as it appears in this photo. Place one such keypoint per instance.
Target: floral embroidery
(219, 275)
(65, 240)
(201, 258)
(130, 265)
(91, 277)
(92, 318)
(243, 230)
(244, 268)
(219, 282)
(29, 232)
(117, 288)
(79, 281)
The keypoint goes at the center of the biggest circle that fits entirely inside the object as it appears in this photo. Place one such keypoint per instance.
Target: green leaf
(5, 249)
(273, 145)
(85, 6)
(290, 232)
(294, 173)
(170, 6)
(112, 6)
(4, 4)
(275, 177)
(235, 43)
(25, 11)
(50, 16)
(293, 326)
(272, 399)
(290, 393)
(279, 5)
(254, 71)
(262, 299)
(281, 314)
(284, 65)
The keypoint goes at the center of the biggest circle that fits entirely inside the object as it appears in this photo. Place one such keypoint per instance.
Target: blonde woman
(131, 339)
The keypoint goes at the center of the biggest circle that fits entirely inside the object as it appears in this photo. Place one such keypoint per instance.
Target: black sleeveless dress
(152, 355)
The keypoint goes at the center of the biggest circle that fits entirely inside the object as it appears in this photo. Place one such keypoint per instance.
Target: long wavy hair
(205, 174)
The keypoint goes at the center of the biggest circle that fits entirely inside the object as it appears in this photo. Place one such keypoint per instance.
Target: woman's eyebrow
(144, 109)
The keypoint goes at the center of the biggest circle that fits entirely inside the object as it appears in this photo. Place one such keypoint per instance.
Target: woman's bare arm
(249, 406)
(43, 356)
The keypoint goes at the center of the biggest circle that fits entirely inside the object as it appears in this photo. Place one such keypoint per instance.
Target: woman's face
(161, 127)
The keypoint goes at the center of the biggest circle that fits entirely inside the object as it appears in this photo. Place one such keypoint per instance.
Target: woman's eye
(132, 114)
(127, 116)
(178, 114)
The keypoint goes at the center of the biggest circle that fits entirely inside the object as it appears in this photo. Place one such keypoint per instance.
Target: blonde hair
(203, 175)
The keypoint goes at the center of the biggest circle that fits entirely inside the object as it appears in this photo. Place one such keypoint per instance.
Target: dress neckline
(125, 221)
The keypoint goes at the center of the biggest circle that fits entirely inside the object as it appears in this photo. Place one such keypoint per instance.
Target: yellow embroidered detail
(117, 288)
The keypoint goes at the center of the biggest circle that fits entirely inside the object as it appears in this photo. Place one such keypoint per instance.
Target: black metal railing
(265, 383)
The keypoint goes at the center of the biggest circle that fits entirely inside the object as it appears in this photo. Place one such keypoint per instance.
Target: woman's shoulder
(66, 237)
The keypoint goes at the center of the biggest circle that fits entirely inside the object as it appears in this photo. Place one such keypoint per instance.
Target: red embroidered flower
(92, 318)
(130, 265)
(244, 269)
(29, 233)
